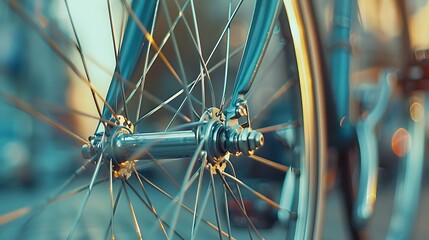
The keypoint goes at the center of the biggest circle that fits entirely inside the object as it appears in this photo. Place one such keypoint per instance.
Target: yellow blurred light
(419, 32)
(381, 18)
(401, 142)
(416, 111)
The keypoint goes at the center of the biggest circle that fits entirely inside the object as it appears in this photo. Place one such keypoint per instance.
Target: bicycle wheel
(194, 110)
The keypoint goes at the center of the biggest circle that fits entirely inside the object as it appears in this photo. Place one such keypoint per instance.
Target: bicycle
(360, 141)
(204, 131)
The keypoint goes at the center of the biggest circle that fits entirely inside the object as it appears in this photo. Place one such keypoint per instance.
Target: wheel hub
(222, 139)
(120, 145)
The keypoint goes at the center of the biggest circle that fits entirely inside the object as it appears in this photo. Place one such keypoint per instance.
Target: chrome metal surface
(159, 145)
(123, 145)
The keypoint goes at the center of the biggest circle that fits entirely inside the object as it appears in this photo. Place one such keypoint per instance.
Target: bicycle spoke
(152, 98)
(150, 164)
(278, 127)
(239, 194)
(183, 206)
(142, 81)
(133, 214)
(6, 218)
(110, 226)
(177, 112)
(159, 52)
(200, 215)
(228, 221)
(64, 39)
(149, 204)
(209, 58)
(190, 85)
(240, 206)
(164, 171)
(79, 49)
(178, 200)
(112, 201)
(263, 72)
(149, 65)
(289, 83)
(112, 31)
(177, 50)
(28, 109)
(270, 163)
(201, 75)
(68, 42)
(117, 62)
(197, 33)
(56, 48)
(181, 106)
(123, 23)
(254, 192)
(88, 194)
(150, 207)
(223, 61)
(228, 45)
(56, 193)
(224, 31)
(168, 35)
(66, 109)
(197, 196)
(161, 104)
(186, 179)
(196, 42)
(152, 42)
(148, 114)
(215, 203)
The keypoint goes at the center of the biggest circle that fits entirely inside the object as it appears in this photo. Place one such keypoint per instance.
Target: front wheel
(167, 158)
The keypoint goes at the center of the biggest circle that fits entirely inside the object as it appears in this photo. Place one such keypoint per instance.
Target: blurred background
(33, 154)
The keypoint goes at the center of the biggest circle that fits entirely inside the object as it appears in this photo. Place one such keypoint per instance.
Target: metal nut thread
(245, 142)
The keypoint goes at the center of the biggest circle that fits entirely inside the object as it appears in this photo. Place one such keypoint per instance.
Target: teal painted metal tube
(339, 68)
(132, 51)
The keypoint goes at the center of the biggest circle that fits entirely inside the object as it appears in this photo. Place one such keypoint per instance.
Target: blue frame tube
(340, 55)
(257, 42)
(339, 70)
(132, 51)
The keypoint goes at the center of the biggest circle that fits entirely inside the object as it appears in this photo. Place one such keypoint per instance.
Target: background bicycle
(378, 48)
